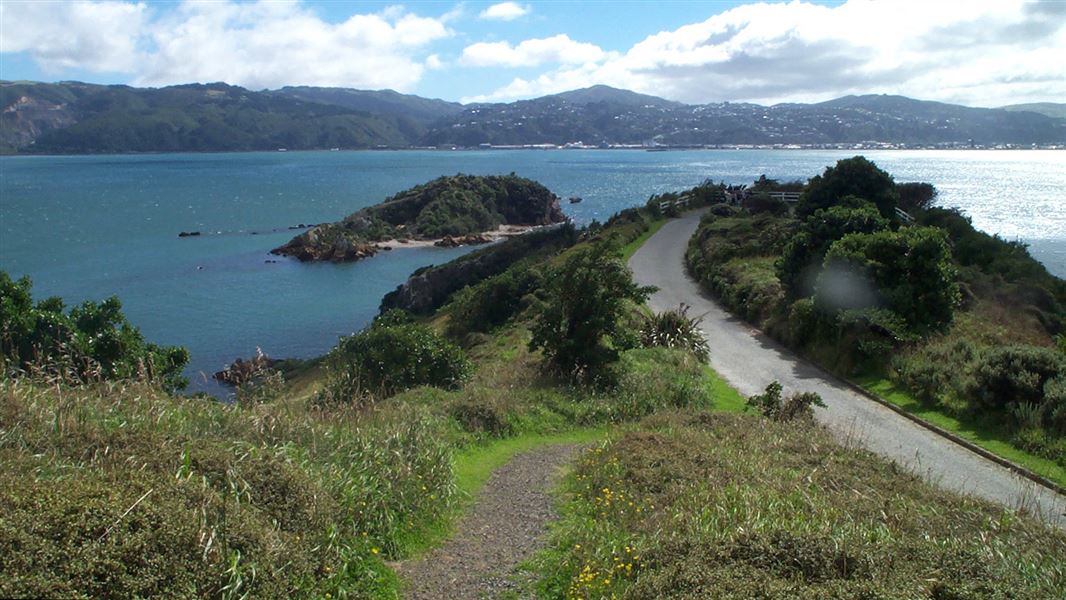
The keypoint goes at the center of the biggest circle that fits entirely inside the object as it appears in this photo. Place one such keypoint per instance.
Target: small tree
(850, 177)
(773, 406)
(578, 325)
(916, 196)
(92, 341)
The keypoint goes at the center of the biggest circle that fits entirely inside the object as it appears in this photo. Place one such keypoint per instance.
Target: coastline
(493, 235)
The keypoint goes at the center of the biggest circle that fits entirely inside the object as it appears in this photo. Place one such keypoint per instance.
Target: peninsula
(448, 210)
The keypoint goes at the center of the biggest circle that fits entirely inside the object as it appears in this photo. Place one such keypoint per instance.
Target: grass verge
(992, 436)
(631, 248)
(690, 504)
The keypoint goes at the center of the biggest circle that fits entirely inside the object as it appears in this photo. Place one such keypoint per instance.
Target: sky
(972, 52)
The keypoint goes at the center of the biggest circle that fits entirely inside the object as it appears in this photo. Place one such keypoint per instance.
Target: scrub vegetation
(963, 321)
(310, 486)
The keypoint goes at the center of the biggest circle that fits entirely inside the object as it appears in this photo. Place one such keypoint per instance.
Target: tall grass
(698, 505)
(242, 500)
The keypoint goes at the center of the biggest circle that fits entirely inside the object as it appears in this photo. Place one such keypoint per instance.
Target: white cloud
(557, 49)
(505, 11)
(434, 62)
(989, 53)
(98, 36)
(257, 45)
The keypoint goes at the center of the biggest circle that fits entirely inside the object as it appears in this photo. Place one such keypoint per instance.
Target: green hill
(78, 118)
(1055, 110)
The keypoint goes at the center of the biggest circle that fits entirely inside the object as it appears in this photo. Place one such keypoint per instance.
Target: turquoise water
(86, 227)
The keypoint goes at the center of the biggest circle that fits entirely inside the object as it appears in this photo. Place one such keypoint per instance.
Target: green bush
(578, 327)
(391, 356)
(803, 255)
(93, 341)
(675, 329)
(492, 302)
(1011, 375)
(938, 369)
(915, 196)
(909, 272)
(797, 406)
(762, 203)
(480, 416)
(850, 177)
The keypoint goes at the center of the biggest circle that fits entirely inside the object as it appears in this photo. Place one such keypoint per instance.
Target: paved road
(749, 360)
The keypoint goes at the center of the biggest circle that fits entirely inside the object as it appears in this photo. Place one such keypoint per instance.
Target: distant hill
(79, 118)
(610, 95)
(603, 115)
(82, 118)
(383, 102)
(1050, 109)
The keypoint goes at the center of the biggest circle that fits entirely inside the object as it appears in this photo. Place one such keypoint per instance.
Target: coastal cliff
(447, 207)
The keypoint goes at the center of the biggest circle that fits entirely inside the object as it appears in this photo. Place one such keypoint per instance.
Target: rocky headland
(448, 211)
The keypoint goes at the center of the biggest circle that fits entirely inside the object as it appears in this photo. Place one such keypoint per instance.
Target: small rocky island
(449, 210)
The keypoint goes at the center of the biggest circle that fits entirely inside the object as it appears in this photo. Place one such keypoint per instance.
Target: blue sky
(981, 52)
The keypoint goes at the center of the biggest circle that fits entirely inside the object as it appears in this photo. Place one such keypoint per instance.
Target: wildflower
(374, 550)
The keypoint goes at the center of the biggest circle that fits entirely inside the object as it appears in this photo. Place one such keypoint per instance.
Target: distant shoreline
(556, 148)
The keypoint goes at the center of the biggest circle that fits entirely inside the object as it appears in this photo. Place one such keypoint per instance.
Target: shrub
(675, 329)
(392, 355)
(92, 341)
(1016, 374)
(803, 255)
(486, 305)
(481, 416)
(804, 322)
(866, 338)
(937, 369)
(771, 405)
(909, 272)
(723, 210)
(915, 197)
(586, 299)
(850, 177)
(763, 203)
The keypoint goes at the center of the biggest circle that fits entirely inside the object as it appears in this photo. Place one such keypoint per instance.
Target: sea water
(87, 227)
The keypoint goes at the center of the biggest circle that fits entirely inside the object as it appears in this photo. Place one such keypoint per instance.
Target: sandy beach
(501, 232)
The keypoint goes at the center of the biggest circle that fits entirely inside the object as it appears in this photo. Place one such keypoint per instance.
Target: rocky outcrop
(456, 210)
(428, 289)
(321, 243)
(243, 371)
(473, 239)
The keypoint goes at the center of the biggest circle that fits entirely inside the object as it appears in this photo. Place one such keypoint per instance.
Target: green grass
(709, 505)
(991, 436)
(475, 465)
(726, 397)
(631, 248)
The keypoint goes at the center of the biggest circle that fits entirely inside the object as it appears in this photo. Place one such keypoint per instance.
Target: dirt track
(504, 527)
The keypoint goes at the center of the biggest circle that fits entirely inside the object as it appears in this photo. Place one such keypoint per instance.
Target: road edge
(944, 433)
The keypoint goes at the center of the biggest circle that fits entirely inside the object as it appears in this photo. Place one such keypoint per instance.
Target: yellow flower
(374, 550)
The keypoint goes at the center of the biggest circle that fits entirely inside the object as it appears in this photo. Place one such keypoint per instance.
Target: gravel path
(503, 528)
(749, 360)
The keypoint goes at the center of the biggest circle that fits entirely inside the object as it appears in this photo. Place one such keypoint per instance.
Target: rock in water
(243, 371)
